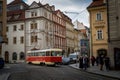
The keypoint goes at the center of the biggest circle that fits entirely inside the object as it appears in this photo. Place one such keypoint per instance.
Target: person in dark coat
(93, 60)
(97, 60)
(107, 63)
(81, 62)
(101, 61)
(85, 62)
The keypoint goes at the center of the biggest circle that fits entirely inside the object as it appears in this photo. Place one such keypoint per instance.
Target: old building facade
(98, 28)
(2, 23)
(13, 50)
(31, 27)
(114, 32)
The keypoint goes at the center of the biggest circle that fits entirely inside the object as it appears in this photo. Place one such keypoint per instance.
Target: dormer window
(21, 7)
(33, 14)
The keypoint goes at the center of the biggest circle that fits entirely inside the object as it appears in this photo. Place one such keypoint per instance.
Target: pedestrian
(101, 62)
(93, 60)
(107, 63)
(85, 62)
(81, 62)
(97, 60)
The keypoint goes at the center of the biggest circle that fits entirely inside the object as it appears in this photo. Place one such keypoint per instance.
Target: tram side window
(58, 53)
(47, 53)
(41, 54)
(53, 53)
(36, 54)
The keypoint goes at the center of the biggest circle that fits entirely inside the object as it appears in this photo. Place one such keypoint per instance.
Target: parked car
(65, 60)
(73, 58)
(1, 63)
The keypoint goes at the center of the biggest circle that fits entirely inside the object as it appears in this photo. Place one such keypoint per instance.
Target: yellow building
(2, 22)
(98, 26)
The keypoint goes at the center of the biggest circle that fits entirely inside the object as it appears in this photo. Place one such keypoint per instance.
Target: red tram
(47, 56)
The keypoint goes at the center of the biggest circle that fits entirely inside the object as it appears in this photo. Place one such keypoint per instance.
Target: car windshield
(72, 56)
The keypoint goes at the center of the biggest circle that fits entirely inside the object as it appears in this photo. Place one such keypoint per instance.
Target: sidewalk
(95, 70)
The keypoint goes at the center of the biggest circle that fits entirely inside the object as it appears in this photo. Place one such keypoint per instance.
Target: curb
(96, 73)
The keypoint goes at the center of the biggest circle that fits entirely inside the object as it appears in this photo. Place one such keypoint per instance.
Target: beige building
(114, 32)
(2, 22)
(69, 37)
(98, 26)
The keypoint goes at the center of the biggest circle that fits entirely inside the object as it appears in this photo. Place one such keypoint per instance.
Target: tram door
(117, 58)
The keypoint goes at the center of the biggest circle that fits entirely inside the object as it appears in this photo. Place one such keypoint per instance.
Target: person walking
(93, 60)
(107, 63)
(101, 62)
(97, 60)
(81, 62)
(85, 62)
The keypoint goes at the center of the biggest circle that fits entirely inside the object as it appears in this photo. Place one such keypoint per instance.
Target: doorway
(6, 56)
(117, 58)
(102, 52)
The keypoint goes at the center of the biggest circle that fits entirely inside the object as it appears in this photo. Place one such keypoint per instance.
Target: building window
(22, 40)
(14, 56)
(35, 38)
(33, 25)
(99, 34)
(7, 28)
(7, 42)
(22, 27)
(33, 14)
(99, 16)
(14, 40)
(32, 39)
(14, 28)
(22, 56)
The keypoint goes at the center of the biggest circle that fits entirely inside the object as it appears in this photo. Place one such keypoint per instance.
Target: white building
(38, 26)
(13, 50)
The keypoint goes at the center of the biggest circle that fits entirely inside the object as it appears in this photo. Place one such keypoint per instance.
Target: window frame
(99, 34)
(99, 16)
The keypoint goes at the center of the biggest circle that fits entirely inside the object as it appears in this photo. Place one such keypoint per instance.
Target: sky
(76, 6)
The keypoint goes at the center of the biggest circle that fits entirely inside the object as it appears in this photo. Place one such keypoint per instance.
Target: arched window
(14, 56)
(22, 56)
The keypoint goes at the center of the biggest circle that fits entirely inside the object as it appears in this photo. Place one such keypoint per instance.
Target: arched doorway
(6, 56)
(22, 56)
(14, 56)
(102, 52)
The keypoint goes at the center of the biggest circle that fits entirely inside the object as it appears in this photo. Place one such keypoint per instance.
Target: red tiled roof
(19, 13)
(96, 3)
(17, 2)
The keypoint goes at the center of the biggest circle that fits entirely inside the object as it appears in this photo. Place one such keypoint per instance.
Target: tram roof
(43, 50)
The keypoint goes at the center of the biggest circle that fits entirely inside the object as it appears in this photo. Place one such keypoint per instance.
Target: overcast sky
(78, 6)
